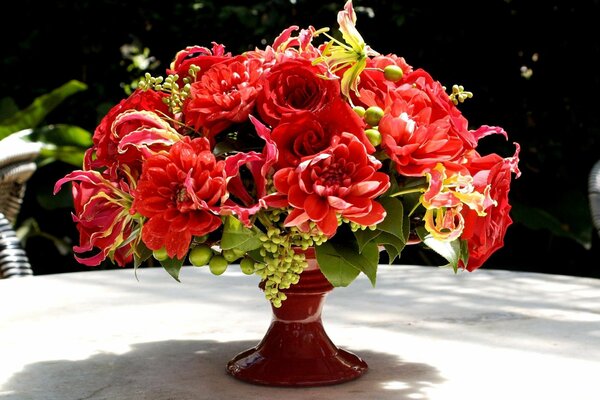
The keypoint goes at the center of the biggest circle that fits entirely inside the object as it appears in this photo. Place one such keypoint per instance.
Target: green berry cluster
(177, 94)
(282, 265)
(372, 116)
(459, 94)
(354, 227)
(203, 254)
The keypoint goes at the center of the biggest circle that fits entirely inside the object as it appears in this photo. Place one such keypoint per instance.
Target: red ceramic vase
(296, 351)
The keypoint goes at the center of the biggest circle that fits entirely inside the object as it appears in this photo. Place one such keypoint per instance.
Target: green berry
(160, 254)
(360, 111)
(247, 265)
(200, 255)
(200, 239)
(232, 255)
(373, 115)
(374, 136)
(218, 264)
(393, 73)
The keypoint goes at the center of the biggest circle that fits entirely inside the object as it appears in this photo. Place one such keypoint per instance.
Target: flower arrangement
(248, 158)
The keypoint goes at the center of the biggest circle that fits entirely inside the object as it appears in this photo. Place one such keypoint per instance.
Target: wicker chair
(17, 164)
(594, 194)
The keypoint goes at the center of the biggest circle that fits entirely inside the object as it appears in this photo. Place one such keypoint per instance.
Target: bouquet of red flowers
(246, 158)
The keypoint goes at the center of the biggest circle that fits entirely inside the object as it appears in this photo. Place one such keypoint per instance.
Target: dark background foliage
(532, 67)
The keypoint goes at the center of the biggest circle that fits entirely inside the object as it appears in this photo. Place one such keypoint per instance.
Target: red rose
(341, 181)
(224, 95)
(305, 134)
(299, 135)
(293, 85)
(485, 235)
(179, 192)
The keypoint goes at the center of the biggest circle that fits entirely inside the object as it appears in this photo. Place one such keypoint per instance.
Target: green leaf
(67, 154)
(30, 228)
(366, 261)
(237, 236)
(172, 266)
(337, 270)
(67, 143)
(8, 107)
(421, 232)
(395, 220)
(579, 227)
(364, 237)
(392, 232)
(464, 252)
(141, 254)
(392, 244)
(452, 251)
(61, 135)
(411, 202)
(255, 255)
(224, 147)
(35, 113)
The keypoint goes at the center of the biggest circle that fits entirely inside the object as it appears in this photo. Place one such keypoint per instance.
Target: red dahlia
(180, 193)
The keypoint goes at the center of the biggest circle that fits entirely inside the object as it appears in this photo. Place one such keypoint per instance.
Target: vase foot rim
(250, 366)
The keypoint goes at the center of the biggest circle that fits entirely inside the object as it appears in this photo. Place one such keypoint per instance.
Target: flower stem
(418, 189)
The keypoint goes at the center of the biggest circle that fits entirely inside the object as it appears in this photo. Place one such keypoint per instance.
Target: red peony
(373, 83)
(199, 56)
(180, 193)
(441, 105)
(413, 139)
(224, 95)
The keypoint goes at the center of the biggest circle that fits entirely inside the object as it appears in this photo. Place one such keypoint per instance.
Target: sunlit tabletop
(425, 332)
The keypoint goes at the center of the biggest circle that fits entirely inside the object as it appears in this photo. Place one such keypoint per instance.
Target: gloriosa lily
(103, 211)
(450, 190)
(352, 54)
(444, 224)
(446, 195)
(152, 131)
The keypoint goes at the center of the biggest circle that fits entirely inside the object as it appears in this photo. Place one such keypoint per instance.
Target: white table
(425, 332)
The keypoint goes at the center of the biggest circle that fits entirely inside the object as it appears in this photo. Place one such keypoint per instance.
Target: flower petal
(316, 207)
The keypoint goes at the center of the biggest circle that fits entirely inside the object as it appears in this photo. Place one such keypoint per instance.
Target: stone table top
(425, 332)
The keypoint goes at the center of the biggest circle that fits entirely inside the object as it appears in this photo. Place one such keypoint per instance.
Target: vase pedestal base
(296, 350)
(322, 364)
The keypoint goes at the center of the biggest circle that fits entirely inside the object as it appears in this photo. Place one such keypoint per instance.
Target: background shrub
(530, 65)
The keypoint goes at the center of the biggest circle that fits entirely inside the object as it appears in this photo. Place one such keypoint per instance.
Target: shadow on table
(182, 370)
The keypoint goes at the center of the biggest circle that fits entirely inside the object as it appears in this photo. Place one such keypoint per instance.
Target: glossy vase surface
(296, 350)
